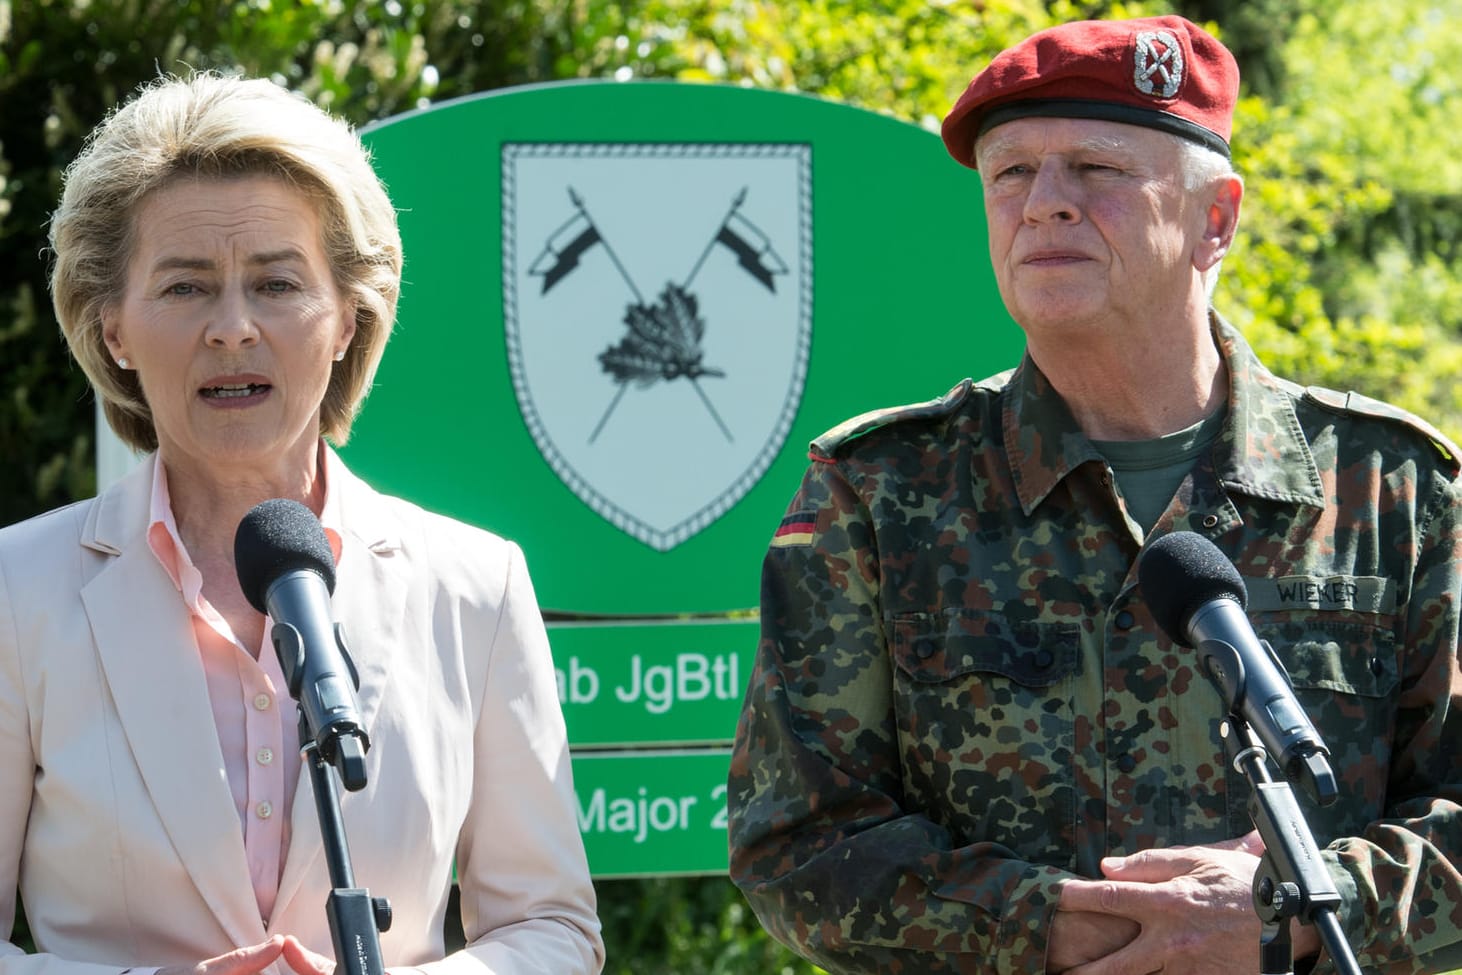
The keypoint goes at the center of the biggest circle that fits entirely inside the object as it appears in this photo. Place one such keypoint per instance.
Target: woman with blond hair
(226, 270)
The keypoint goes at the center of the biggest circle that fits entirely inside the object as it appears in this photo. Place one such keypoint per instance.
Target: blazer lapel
(371, 586)
(161, 697)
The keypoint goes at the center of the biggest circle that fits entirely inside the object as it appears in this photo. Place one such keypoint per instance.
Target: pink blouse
(257, 721)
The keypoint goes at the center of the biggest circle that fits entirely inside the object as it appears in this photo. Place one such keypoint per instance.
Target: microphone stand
(1292, 880)
(356, 918)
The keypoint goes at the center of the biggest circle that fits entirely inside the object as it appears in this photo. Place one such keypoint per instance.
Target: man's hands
(1185, 909)
(1083, 936)
(255, 958)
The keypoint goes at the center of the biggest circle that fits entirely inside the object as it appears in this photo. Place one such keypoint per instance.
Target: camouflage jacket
(961, 699)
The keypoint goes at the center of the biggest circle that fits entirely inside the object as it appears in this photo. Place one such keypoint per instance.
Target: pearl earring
(340, 356)
(123, 363)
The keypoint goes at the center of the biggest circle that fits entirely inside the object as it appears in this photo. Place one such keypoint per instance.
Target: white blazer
(115, 813)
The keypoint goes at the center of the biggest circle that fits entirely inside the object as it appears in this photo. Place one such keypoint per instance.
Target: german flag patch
(795, 529)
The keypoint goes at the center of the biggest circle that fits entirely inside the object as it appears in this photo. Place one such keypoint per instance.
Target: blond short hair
(214, 127)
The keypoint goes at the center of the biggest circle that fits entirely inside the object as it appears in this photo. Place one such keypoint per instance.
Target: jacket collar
(146, 648)
(1261, 451)
(117, 518)
(373, 580)
(145, 645)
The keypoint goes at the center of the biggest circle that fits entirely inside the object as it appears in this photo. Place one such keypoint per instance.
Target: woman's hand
(242, 961)
(303, 960)
(255, 958)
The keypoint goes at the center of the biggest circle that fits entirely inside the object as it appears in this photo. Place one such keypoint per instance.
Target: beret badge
(1157, 63)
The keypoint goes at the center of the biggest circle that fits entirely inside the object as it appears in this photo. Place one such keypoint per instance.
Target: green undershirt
(1148, 472)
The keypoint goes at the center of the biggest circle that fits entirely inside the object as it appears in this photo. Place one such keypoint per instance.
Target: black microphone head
(275, 537)
(1181, 571)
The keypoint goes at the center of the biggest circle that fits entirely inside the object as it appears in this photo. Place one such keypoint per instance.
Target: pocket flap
(933, 648)
(1348, 657)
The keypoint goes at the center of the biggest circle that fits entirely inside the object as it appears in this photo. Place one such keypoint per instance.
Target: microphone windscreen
(1181, 571)
(275, 537)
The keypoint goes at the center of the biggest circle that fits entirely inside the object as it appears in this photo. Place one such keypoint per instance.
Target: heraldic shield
(658, 315)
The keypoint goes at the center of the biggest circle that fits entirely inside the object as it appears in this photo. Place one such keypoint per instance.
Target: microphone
(287, 571)
(1198, 598)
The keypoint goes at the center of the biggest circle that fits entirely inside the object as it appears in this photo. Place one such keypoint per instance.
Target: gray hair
(1202, 167)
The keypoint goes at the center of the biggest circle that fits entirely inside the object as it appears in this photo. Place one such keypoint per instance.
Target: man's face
(1090, 225)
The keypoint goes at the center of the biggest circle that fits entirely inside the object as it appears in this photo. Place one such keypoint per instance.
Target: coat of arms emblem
(658, 310)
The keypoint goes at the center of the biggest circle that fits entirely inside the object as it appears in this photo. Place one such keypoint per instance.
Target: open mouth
(238, 391)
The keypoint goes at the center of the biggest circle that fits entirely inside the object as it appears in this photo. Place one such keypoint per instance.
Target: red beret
(1161, 72)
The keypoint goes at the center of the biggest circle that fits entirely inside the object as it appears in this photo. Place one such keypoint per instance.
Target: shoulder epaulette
(849, 430)
(1366, 406)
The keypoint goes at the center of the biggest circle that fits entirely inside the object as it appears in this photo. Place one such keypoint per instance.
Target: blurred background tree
(1345, 273)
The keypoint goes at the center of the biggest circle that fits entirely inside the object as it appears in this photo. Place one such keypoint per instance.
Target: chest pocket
(986, 727)
(1344, 657)
(1345, 674)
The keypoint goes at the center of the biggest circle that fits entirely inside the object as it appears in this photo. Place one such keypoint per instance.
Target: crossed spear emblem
(663, 340)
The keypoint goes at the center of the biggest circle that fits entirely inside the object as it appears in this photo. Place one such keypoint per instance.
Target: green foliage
(687, 926)
(65, 63)
(1344, 273)
(907, 58)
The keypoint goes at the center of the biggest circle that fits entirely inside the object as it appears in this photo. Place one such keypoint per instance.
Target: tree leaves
(663, 341)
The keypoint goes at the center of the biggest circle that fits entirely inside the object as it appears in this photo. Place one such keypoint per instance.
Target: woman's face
(231, 318)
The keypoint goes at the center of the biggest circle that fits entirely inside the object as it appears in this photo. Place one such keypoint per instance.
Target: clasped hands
(255, 958)
(1182, 909)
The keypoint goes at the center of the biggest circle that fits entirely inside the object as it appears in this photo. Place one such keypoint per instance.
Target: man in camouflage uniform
(967, 746)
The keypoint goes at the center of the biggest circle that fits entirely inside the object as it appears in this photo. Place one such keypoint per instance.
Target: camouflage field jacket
(961, 699)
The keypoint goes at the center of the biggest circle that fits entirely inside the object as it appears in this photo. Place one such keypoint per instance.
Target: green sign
(663, 683)
(628, 307)
(653, 812)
